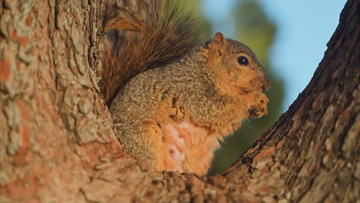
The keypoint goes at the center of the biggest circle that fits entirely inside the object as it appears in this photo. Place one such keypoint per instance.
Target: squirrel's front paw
(258, 107)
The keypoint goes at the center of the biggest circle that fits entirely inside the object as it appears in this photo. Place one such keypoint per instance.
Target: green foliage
(194, 7)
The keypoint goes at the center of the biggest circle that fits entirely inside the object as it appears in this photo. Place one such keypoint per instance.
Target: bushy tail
(141, 36)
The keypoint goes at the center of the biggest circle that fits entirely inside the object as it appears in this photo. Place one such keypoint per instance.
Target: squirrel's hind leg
(187, 147)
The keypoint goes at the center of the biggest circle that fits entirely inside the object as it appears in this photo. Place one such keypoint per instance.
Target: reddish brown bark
(54, 126)
(57, 142)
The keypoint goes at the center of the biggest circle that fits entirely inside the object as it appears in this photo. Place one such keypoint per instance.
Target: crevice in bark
(56, 14)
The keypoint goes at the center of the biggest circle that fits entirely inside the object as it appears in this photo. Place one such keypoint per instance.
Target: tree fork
(57, 142)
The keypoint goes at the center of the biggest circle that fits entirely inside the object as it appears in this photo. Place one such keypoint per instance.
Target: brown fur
(173, 114)
(140, 37)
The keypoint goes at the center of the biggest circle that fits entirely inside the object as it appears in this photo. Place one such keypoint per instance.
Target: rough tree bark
(57, 142)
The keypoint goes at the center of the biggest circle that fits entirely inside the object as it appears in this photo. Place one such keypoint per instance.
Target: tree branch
(57, 142)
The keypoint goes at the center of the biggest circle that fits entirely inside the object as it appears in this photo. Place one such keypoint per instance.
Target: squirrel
(173, 101)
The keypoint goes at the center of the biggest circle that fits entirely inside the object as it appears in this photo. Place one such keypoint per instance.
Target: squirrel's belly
(186, 147)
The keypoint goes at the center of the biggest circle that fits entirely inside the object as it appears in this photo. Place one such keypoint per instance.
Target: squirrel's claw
(260, 107)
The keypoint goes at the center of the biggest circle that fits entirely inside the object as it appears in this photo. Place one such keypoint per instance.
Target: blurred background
(289, 39)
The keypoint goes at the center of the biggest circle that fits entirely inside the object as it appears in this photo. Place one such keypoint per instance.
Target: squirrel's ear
(217, 46)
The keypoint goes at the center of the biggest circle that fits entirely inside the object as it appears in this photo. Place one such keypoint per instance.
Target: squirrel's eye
(243, 60)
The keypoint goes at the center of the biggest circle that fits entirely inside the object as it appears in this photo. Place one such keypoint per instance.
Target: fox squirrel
(172, 101)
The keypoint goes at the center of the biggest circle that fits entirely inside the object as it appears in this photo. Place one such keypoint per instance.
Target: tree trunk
(57, 142)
